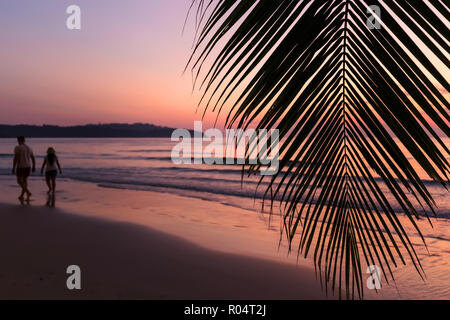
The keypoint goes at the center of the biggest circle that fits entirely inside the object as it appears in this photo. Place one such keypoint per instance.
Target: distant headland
(111, 130)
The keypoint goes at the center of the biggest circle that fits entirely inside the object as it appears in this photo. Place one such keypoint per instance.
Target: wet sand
(121, 260)
(153, 245)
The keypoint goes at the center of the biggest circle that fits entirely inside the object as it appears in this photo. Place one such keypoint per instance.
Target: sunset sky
(124, 65)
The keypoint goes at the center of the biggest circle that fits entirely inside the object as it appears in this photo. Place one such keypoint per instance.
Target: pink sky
(125, 65)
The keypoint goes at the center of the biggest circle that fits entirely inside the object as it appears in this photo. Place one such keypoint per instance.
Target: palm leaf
(341, 94)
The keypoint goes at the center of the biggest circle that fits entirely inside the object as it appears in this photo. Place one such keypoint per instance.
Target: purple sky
(124, 65)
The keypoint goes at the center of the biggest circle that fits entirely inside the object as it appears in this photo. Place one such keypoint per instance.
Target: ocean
(146, 164)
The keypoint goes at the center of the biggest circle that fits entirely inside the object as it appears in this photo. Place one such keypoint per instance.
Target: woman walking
(51, 164)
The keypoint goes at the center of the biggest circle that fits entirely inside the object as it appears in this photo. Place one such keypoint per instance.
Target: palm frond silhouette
(345, 96)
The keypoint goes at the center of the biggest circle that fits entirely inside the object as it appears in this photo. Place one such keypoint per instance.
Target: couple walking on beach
(25, 163)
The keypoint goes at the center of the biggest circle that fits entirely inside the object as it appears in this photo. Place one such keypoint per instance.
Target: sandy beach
(133, 244)
(129, 260)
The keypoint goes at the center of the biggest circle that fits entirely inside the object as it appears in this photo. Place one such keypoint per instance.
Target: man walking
(24, 164)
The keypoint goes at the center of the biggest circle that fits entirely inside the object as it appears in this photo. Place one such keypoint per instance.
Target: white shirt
(23, 155)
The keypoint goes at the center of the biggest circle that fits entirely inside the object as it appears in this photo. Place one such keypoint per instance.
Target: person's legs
(49, 184)
(20, 183)
(25, 186)
(54, 183)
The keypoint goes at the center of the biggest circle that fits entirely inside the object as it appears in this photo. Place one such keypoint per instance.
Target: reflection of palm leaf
(339, 92)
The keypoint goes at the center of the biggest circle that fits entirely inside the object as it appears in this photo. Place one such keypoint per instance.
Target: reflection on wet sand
(51, 200)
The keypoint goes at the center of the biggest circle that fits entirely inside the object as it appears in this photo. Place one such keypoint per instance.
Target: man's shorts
(23, 172)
